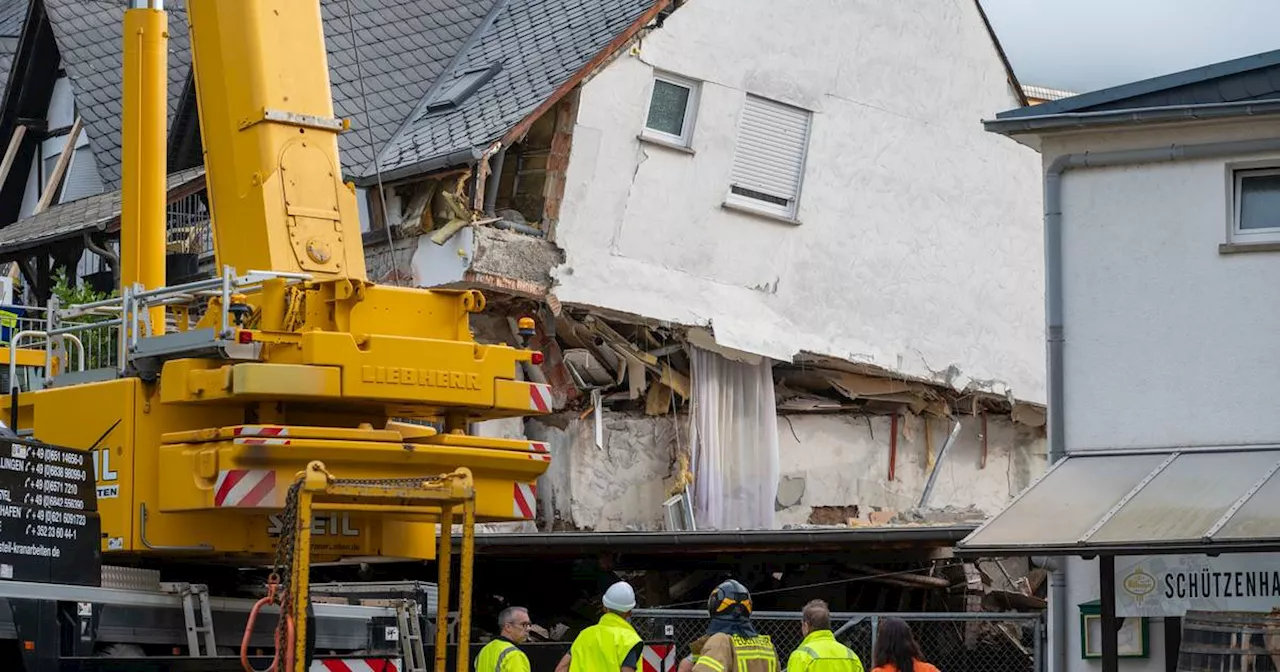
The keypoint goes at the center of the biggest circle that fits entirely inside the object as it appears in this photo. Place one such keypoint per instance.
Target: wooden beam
(59, 169)
(12, 152)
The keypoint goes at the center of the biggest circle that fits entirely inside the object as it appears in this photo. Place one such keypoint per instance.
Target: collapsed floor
(853, 446)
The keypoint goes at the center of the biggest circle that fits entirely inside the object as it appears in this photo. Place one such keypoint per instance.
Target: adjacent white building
(1163, 223)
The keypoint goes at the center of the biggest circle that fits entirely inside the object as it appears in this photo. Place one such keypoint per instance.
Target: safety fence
(954, 642)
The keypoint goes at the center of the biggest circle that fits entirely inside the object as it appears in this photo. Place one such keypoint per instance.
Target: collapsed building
(788, 299)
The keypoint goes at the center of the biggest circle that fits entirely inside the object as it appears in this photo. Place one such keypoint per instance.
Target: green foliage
(99, 343)
(70, 294)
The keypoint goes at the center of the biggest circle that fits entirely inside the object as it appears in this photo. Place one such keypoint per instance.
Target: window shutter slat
(769, 157)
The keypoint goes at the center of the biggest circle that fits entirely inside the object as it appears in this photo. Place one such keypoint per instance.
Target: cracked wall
(918, 247)
(828, 462)
(843, 460)
(620, 486)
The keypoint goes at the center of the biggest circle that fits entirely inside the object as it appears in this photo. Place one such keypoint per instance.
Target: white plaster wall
(1082, 586)
(843, 460)
(620, 486)
(920, 243)
(1168, 342)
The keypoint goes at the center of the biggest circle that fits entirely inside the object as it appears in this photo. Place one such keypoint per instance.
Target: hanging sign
(1171, 585)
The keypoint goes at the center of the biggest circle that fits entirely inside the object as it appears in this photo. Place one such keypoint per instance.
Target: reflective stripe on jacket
(603, 646)
(725, 653)
(501, 656)
(820, 652)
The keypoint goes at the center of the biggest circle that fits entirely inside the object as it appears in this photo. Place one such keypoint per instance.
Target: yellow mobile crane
(235, 397)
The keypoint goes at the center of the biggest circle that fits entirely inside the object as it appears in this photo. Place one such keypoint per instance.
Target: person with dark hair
(819, 651)
(897, 650)
(501, 654)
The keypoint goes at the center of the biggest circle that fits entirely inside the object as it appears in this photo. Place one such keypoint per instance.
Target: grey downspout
(491, 183)
(1055, 334)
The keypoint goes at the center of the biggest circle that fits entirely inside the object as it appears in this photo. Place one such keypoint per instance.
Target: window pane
(1260, 202)
(666, 110)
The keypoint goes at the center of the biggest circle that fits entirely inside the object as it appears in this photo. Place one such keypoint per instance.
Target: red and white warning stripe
(658, 658)
(540, 451)
(260, 430)
(262, 442)
(540, 397)
(266, 435)
(356, 665)
(245, 488)
(526, 499)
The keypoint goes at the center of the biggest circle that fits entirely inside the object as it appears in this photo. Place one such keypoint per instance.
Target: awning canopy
(1210, 500)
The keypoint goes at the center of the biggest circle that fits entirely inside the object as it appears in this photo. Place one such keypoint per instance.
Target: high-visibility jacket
(820, 652)
(732, 653)
(501, 655)
(604, 646)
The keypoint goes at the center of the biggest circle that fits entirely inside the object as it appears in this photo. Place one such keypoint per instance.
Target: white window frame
(685, 139)
(759, 206)
(1235, 234)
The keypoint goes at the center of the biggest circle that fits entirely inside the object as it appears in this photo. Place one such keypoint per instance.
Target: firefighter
(819, 651)
(501, 654)
(612, 644)
(731, 643)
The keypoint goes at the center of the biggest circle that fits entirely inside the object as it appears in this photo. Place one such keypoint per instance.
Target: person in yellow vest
(501, 654)
(819, 651)
(731, 643)
(612, 644)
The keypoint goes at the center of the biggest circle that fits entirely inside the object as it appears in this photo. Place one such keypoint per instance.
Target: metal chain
(282, 566)
(392, 482)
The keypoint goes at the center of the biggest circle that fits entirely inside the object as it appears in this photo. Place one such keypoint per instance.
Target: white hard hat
(620, 597)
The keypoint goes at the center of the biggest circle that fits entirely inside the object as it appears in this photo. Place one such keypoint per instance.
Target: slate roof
(1251, 78)
(13, 15)
(407, 48)
(404, 45)
(539, 44)
(68, 220)
(90, 42)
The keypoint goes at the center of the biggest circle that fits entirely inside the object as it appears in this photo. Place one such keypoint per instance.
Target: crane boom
(271, 142)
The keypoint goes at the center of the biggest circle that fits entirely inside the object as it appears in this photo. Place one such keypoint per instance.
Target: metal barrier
(952, 641)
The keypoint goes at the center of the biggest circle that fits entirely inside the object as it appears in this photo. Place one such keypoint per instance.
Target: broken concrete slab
(480, 257)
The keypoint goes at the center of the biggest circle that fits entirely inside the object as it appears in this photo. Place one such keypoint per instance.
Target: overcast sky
(1083, 45)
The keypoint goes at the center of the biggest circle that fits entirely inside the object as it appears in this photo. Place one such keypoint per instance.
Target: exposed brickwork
(558, 161)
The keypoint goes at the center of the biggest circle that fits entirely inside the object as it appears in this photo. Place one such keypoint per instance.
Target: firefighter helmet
(729, 598)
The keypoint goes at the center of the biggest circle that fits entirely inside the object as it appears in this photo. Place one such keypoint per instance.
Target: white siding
(1168, 342)
(919, 247)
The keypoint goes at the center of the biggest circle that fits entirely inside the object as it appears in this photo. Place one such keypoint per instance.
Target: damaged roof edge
(509, 136)
(467, 156)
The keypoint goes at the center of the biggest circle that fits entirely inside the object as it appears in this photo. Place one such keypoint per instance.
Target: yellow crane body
(227, 388)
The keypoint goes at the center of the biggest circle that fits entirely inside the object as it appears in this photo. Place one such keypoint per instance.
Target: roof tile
(541, 44)
(422, 35)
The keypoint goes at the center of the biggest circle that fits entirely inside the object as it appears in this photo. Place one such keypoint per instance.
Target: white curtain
(735, 441)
